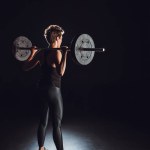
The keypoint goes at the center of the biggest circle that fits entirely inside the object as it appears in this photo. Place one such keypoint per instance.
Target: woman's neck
(55, 45)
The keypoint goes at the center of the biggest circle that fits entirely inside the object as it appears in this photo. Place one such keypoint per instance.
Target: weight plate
(82, 41)
(22, 42)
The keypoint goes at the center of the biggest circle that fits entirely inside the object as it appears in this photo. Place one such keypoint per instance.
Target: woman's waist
(55, 82)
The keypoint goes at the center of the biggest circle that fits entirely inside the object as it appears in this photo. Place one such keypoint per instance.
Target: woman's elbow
(25, 69)
(61, 74)
(60, 71)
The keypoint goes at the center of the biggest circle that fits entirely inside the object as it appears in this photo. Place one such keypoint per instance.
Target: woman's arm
(60, 61)
(32, 61)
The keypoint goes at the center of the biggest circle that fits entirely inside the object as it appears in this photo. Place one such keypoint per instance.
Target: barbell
(82, 48)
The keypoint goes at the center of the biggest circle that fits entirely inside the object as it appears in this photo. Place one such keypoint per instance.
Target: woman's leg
(57, 114)
(43, 125)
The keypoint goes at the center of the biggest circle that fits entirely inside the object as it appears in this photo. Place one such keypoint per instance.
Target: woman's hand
(33, 52)
(64, 49)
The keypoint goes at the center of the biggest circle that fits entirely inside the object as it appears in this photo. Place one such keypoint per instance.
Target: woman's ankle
(41, 148)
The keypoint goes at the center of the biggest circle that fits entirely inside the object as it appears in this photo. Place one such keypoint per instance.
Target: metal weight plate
(82, 41)
(22, 42)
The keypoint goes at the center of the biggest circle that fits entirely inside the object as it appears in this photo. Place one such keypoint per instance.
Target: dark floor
(84, 132)
(98, 121)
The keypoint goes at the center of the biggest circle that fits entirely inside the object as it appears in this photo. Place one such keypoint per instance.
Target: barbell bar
(68, 49)
(82, 48)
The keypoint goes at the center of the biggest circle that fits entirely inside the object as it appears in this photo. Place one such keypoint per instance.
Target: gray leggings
(53, 103)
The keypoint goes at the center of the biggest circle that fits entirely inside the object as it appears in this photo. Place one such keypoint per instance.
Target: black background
(115, 84)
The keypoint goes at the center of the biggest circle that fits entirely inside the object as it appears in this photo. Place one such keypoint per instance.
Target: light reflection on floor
(75, 137)
(80, 134)
(72, 139)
